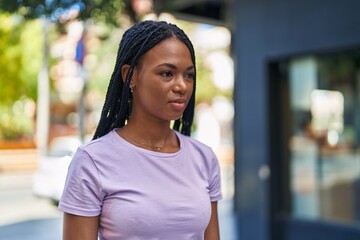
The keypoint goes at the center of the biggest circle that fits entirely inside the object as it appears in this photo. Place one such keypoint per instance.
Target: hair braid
(135, 42)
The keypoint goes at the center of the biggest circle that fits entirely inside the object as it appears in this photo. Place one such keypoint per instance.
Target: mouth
(178, 104)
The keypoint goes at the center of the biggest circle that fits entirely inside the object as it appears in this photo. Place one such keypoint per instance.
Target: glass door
(319, 122)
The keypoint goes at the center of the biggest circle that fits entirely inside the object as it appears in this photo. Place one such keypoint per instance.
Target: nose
(180, 85)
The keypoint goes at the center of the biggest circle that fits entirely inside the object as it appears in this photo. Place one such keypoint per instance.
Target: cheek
(153, 95)
(190, 88)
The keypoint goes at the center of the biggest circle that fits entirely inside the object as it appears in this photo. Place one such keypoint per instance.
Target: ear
(124, 71)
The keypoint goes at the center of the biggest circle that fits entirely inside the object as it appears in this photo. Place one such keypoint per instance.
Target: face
(163, 81)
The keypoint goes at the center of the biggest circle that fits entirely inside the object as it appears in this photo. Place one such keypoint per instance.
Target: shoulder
(99, 148)
(202, 156)
(99, 143)
(192, 141)
(191, 144)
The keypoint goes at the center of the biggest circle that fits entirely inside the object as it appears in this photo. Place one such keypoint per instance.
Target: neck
(154, 134)
(143, 144)
(148, 124)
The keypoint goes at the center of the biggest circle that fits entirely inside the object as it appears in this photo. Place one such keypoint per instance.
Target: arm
(212, 230)
(80, 228)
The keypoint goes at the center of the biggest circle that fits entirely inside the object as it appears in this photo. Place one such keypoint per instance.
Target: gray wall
(263, 30)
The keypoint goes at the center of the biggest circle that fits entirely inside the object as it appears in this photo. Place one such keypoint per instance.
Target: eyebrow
(173, 66)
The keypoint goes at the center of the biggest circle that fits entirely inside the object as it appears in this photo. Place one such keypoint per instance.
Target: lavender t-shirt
(140, 194)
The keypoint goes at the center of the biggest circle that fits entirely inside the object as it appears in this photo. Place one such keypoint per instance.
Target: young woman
(138, 179)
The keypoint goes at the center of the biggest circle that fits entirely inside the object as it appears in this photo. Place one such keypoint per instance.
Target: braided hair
(135, 42)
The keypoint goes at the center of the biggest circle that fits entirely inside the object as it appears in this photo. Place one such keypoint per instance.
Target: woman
(138, 178)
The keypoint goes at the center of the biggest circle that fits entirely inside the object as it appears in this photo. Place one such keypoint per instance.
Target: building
(297, 120)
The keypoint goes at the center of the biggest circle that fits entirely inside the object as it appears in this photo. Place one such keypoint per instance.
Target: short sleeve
(214, 180)
(82, 193)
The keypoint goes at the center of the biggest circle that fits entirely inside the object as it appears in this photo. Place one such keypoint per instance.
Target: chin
(176, 118)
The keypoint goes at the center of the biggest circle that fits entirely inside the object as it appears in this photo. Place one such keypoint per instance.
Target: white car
(49, 179)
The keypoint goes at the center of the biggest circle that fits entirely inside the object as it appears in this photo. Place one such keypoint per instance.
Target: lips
(178, 104)
(178, 100)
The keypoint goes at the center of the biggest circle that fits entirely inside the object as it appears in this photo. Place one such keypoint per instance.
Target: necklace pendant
(157, 148)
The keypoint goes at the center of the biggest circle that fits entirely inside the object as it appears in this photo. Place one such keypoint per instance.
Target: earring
(131, 89)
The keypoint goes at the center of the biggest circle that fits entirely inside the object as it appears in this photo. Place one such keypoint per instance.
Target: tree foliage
(20, 41)
(18, 77)
(62, 10)
(20, 58)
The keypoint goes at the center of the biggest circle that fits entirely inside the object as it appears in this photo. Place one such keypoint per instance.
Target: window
(324, 140)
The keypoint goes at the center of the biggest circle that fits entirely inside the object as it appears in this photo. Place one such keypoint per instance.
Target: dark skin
(78, 227)
(162, 85)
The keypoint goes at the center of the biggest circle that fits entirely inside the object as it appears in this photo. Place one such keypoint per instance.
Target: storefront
(297, 119)
(314, 145)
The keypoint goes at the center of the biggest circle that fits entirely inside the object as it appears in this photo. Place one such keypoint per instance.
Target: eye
(166, 74)
(190, 76)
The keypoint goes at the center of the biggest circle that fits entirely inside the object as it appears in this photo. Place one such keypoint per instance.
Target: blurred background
(278, 99)
(57, 59)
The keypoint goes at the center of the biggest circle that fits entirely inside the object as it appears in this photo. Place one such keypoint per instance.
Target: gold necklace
(154, 147)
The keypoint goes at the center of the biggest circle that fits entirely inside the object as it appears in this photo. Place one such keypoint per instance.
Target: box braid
(135, 42)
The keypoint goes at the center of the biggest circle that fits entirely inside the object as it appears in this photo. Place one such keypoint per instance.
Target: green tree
(20, 63)
(20, 60)
(57, 11)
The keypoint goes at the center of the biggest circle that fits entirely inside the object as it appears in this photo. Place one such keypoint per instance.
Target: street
(24, 216)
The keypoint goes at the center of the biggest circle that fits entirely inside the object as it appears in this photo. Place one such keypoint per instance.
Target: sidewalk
(227, 220)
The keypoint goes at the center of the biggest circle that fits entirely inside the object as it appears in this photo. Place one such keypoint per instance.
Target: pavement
(37, 229)
(18, 203)
(227, 220)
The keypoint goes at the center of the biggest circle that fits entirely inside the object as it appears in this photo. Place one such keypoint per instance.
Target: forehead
(169, 50)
